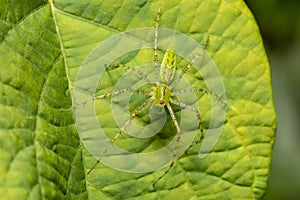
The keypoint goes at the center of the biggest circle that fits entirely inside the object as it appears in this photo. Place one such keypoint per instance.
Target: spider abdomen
(167, 69)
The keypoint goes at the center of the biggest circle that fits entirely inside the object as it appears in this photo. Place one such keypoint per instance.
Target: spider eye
(161, 101)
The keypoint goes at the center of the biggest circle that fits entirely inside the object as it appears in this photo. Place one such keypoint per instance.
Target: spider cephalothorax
(161, 95)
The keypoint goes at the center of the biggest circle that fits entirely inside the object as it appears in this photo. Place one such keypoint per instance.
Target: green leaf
(42, 47)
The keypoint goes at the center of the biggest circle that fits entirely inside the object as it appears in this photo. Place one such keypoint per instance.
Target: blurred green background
(279, 22)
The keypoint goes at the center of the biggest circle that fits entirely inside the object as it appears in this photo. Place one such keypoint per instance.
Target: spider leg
(186, 106)
(173, 117)
(155, 45)
(143, 76)
(109, 94)
(183, 105)
(187, 68)
(165, 173)
(132, 115)
(191, 89)
(135, 69)
(200, 90)
(125, 90)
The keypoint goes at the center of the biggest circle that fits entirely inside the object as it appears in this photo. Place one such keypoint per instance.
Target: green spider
(162, 94)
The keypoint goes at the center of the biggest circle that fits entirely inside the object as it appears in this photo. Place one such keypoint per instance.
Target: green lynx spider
(162, 94)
